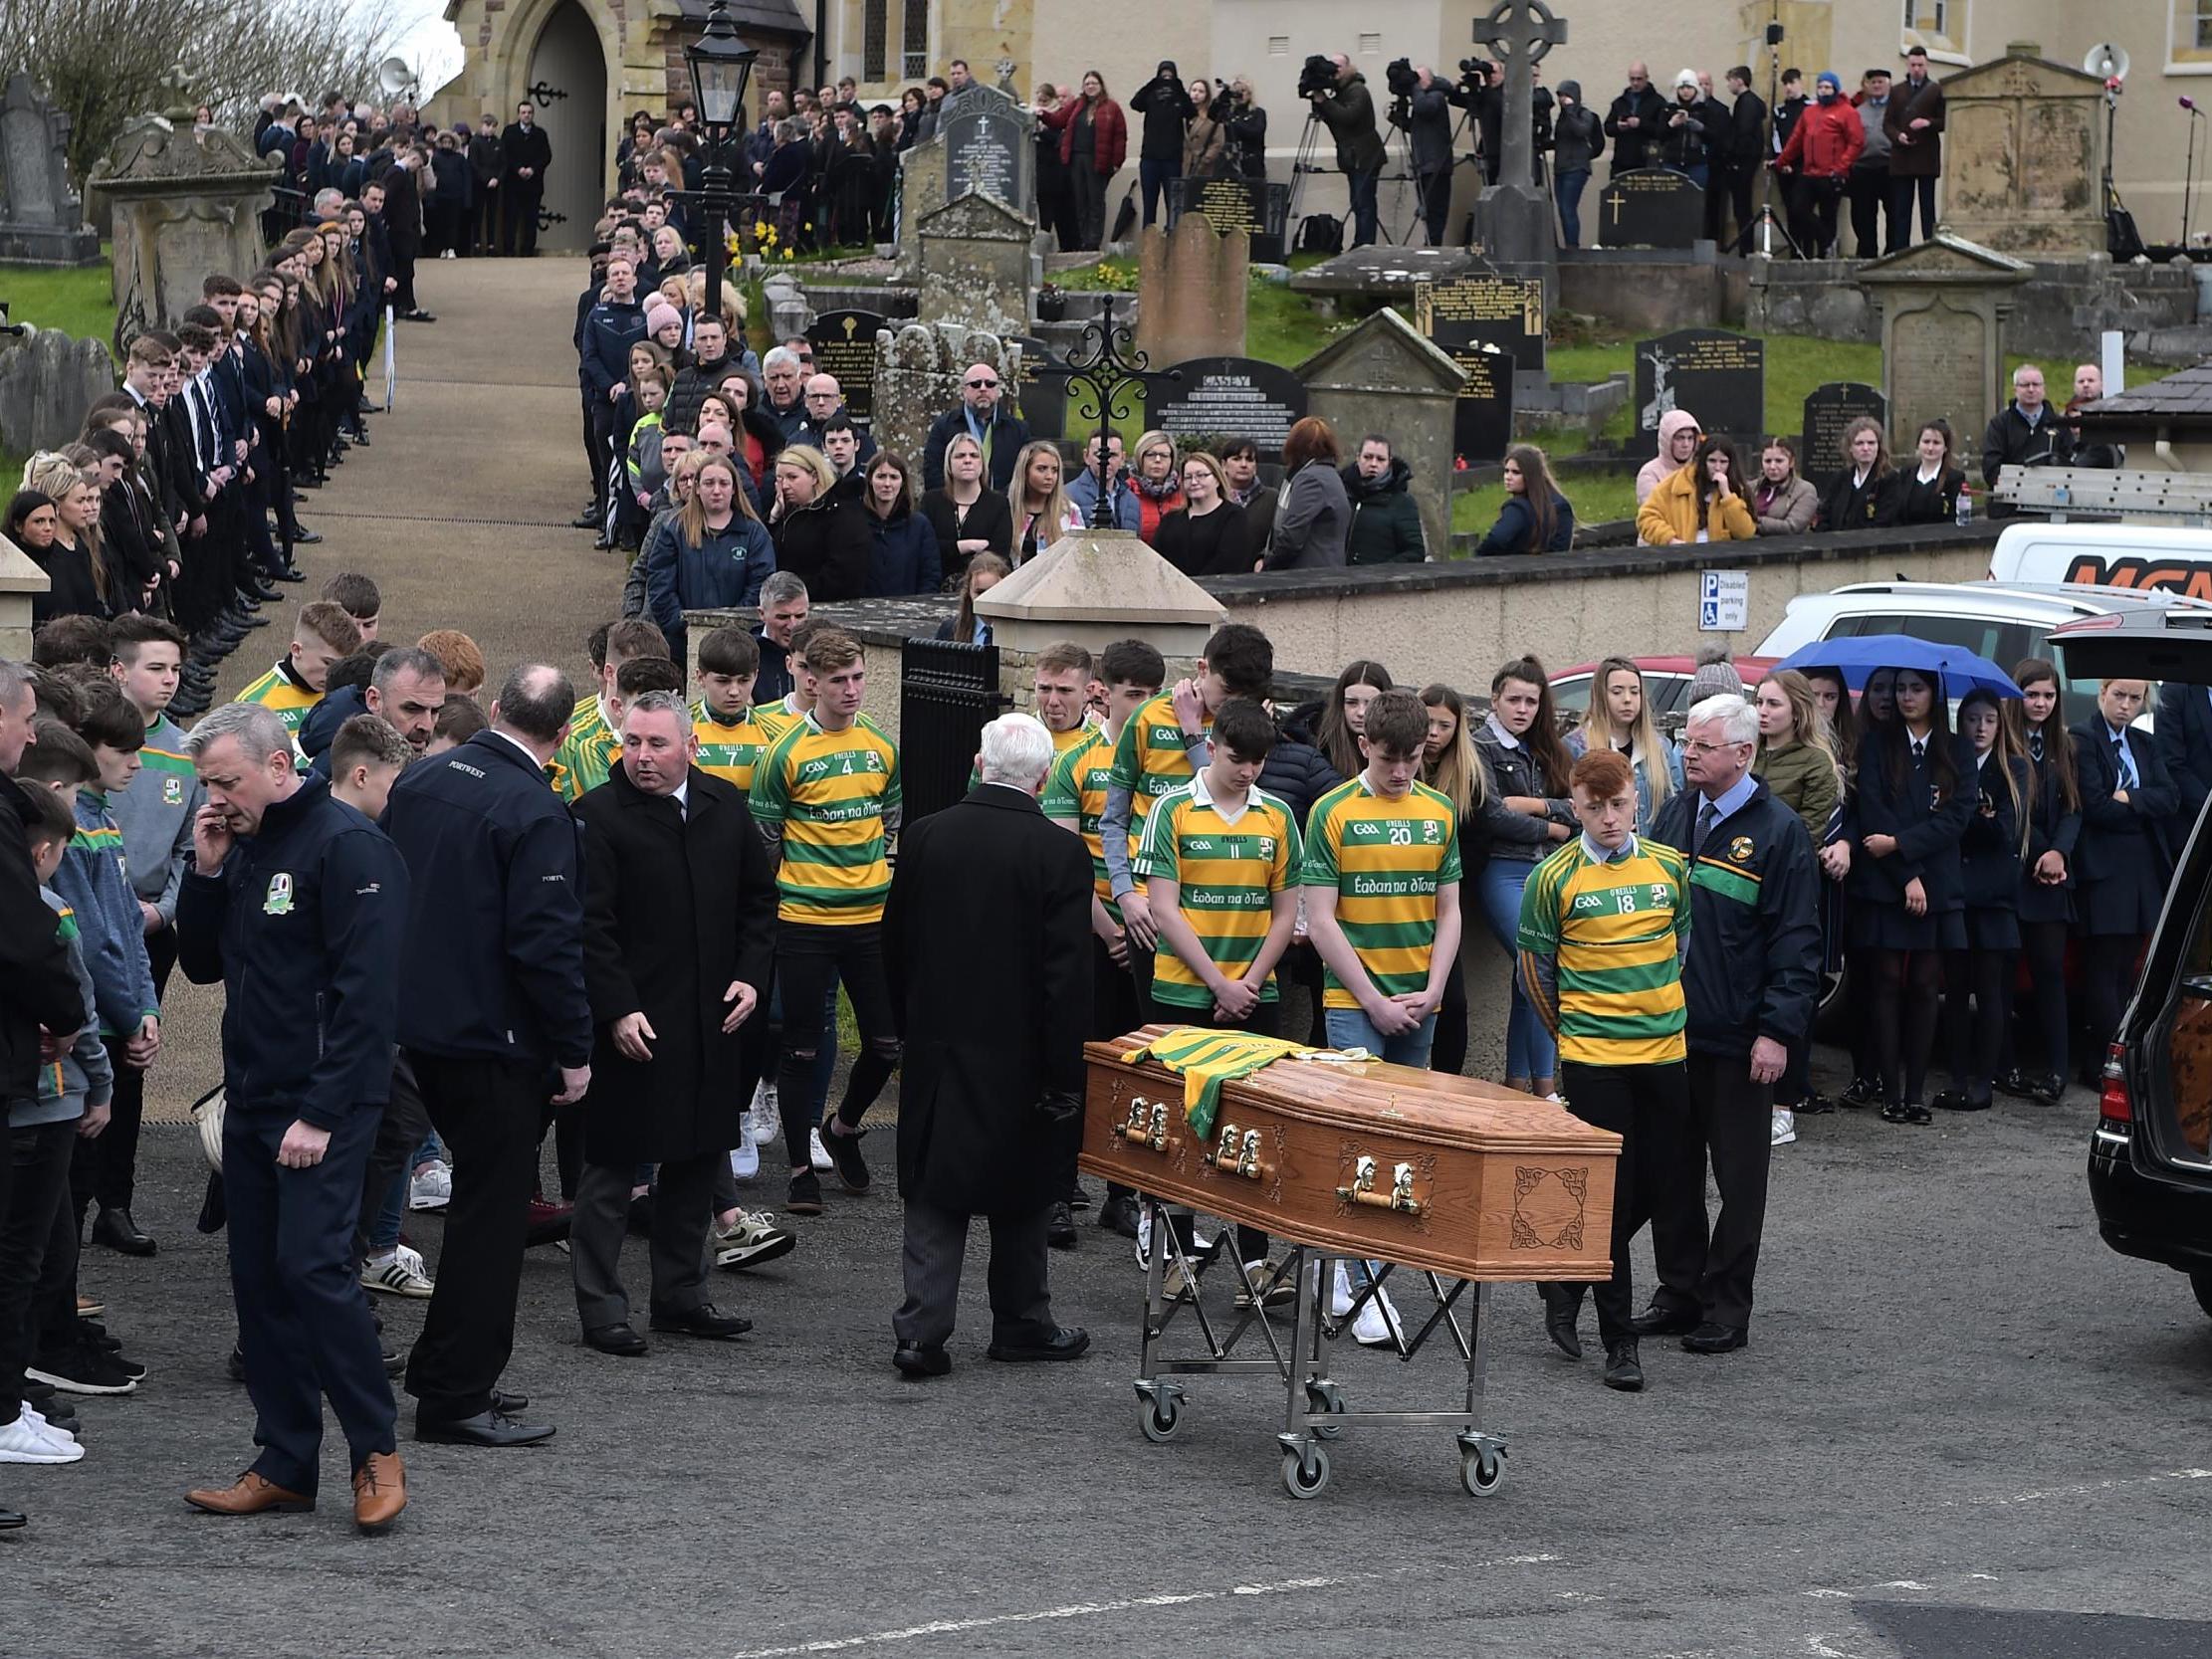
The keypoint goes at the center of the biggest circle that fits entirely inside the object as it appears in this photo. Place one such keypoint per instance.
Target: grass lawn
(77, 301)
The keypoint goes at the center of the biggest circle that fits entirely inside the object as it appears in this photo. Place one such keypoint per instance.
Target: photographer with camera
(1342, 103)
(1245, 124)
(1577, 139)
(1421, 105)
(1637, 122)
(1165, 105)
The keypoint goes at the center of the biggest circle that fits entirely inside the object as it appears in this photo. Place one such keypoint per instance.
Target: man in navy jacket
(296, 903)
(609, 330)
(1749, 976)
(494, 1004)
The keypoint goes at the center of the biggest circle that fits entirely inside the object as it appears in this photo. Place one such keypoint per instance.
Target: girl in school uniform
(2126, 797)
(1801, 771)
(1877, 707)
(1907, 901)
(2045, 901)
(1994, 775)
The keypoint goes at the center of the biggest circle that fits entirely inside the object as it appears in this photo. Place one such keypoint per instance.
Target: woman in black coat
(1928, 494)
(1908, 900)
(1995, 773)
(678, 908)
(1864, 495)
(2045, 898)
(821, 535)
(2121, 858)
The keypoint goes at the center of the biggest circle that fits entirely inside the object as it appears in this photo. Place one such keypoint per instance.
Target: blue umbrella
(1857, 656)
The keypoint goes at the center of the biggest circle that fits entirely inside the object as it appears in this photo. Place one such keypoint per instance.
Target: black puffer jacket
(827, 544)
(37, 984)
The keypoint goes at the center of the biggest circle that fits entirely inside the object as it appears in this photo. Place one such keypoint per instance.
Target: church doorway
(568, 83)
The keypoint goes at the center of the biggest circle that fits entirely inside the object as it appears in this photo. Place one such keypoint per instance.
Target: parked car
(2142, 557)
(2003, 622)
(2150, 1155)
(1665, 685)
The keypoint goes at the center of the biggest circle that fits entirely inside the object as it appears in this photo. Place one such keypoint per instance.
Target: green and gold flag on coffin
(1206, 1060)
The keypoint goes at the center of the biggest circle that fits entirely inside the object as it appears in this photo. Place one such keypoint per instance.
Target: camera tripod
(1764, 224)
(1303, 163)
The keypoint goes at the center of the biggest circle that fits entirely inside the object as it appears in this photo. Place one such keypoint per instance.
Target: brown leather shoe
(248, 1495)
(379, 1492)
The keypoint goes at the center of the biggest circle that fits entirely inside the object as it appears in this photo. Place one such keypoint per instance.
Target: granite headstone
(844, 344)
(1504, 312)
(1651, 207)
(1482, 414)
(1232, 202)
(1040, 388)
(42, 220)
(1228, 397)
(1717, 376)
(1829, 411)
(988, 150)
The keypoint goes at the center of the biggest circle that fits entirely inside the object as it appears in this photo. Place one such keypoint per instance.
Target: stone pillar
(185, 203)
(20, 579)
(1098, 586)
(1190, 292)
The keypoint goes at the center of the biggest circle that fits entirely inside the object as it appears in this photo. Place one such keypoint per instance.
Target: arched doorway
(569, 59)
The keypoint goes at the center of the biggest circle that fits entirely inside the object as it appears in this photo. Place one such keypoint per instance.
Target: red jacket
(1824, 143)
(1109, 132)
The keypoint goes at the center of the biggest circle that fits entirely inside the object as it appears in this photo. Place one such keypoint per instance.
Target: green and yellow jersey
(1075, 789)
(1150, 759)
(1608, 937)
(282, 689)
(585, 756)
(728, 750)
(1227, 872)
(1385, 859)
(833, 797)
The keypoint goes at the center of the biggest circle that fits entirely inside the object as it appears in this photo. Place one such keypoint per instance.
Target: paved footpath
(1964, 1430)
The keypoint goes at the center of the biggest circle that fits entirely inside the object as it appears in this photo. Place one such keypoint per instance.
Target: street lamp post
(1105, 363)
(720, 63)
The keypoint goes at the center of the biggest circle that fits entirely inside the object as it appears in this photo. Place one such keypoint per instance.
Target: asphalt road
(1963, 1429)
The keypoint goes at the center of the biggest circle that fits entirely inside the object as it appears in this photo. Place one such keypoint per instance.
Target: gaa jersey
(1385, 859)
(285, 692)
(1614, 931)
(728, 750)
(1226, 874)
(828, 792)
(1150, 759)
(775, 719)
(1075, 789)
(585, 756)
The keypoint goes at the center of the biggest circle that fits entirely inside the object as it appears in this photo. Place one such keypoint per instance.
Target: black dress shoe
(509, 1404)
(1059, 1228)
(619, 1339)
(586, 520)
(1119, 1214)
(1710, 1338)
(1068, 1341)
(1953, 1099)
(486, 1428)
(1623, 1368)
(1657, 1320)
(1906, 1111)
(299, 538)
(2048, 1089)
(702, 1321)
(115, 1229)
(917, 1361)
(1078, 1198)
(11, 1520)
(256, 620)
(1562, 1308)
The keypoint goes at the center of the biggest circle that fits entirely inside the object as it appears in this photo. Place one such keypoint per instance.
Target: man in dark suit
(2123, 860)
(488, 162)
(526, 153)
(678, 945)
(989, 1085)
(492, 1007)
(2185, 745)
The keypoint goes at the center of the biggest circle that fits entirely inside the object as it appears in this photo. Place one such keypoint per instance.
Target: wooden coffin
(1466, 1178)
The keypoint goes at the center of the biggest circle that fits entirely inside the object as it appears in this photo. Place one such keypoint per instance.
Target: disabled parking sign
(1723, 601)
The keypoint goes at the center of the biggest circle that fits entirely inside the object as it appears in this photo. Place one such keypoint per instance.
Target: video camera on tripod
(1319, 75)
(1398, 76)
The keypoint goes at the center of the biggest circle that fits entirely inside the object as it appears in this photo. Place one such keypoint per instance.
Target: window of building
(915, 41)
(875, 36)
(2189, 38)
(1938, 25)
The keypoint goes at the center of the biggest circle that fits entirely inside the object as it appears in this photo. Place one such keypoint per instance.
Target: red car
(1665, 685)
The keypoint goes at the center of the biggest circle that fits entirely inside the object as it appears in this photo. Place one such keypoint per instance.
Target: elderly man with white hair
(298, 904)
(987, 940)
(1749, 979)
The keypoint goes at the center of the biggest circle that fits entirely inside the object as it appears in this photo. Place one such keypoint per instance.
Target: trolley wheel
(1160, 1419)
(1305, 1473)
(1482, 1473)
(1325, 1397)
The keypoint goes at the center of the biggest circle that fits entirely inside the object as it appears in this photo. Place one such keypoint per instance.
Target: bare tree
(102, 62)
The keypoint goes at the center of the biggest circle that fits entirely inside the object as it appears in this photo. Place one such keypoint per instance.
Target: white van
(2139, 556)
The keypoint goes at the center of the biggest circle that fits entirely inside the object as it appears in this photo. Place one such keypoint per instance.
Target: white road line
(1124, 1604)
(2084, 1488)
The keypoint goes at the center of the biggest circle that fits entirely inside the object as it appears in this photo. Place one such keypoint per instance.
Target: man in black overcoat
(526, 153)
(679, 919)
(987, 893)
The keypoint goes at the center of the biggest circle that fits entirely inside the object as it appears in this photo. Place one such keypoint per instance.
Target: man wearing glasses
(1749, 979)
(983, 417)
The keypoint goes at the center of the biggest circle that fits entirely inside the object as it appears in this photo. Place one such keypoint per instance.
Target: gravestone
(186, 202)
(1944, 304)
(921, 193)
(844, 344)
(1228, 397)
(1504, 312)
(2023, 150)
(975, 266)
(1717, 376)
(1651, 207)
(1482, 414)
(1232, 202)
(1040, 388)
(988, 150)
(46, 382)
(1513, 217)
(42, 220)
(1190, 292)
(1385, 376)
(1830, 411)
(918, 373)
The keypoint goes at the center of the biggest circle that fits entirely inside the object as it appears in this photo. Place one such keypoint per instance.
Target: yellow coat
(1670, 512)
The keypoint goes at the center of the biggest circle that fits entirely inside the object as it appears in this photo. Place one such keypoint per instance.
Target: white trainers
(44, 1425)
(1785, 1127)
(398, 1273)
(23, 1441)
(745, 1159)
(751, 1239)
(818, 1154)
(432, 1187)
(1378, 1318)
(764, 1119)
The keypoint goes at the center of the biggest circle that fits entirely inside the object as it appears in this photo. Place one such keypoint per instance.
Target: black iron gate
(947, 694)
